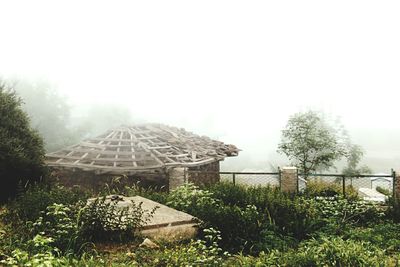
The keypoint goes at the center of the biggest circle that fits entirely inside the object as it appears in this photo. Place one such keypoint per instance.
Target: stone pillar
(176, 177)
(289, 179)
(397, 185)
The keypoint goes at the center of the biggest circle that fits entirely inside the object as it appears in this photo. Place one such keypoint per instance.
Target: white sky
(231, 69)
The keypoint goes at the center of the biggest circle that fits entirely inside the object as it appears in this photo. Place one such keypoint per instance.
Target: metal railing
(352, 182)
(248, 178)
(347, 183)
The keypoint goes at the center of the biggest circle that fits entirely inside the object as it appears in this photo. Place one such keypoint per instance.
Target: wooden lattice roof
(130, 149)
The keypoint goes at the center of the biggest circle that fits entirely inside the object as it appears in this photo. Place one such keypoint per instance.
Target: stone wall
(289, 179)
(176, 177)
(96, 182)
(397, 185)
(205, 174)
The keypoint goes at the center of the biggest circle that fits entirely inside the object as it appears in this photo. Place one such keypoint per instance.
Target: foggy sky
(234, 70)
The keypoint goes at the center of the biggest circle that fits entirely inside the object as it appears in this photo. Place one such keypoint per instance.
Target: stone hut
(151, 154)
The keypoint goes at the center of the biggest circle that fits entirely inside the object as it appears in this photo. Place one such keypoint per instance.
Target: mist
(231, 70)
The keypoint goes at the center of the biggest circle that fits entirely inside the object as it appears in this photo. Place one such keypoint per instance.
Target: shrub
(60, 223)
(321, 188)
(246, 228)
(384, 191)
(318, 188)
(331, 251)
(41, 253)
(290, 214)
(196, 253)
(393, 211)
(342, 212)
(386, 236)
(29, 205)
(153, 193)
(334, 251)
(105, 221)
(191, 198)
(21, 148)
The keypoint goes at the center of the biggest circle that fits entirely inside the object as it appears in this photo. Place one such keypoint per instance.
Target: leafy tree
(354, 157)
(311, 143)
(21, 148)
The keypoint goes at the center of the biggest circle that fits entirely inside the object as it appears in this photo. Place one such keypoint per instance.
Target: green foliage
(393, 211)
(340, 213)
(21, 148)
(60, 223)
(29, 205)
(384, 191)
(334, 251)
(196, 253)
(190, 197)
(42, 254)
(386, 236)
(318, 188)
(290, 215)
(103, 220)
(154, 193)
(311, 143)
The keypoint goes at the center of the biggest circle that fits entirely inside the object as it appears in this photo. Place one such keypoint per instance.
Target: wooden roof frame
(141, 148)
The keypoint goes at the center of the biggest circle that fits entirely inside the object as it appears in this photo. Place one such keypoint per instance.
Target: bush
(191, 198)
(393, 211)
(340, 212)
(334, 251)
(318, 188)
(42, 254)
(105, 221)
(59, 222)
(386, 236)
(21, 148)
(153, 193)
(29, 205)
(246, 228)
(384, 191)
(292, 215)
(196, 253)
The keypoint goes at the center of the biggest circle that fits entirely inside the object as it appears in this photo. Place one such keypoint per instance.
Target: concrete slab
(372, 195)
(166, 224)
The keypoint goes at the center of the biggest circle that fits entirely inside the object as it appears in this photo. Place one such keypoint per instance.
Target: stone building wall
(205, 174)
(97, 182)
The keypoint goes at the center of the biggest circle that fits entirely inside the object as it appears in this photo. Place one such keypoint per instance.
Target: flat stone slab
(166, 223)
(371, 195)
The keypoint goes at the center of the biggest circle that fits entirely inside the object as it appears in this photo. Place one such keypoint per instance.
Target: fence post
(344, 185)
(396, 185)
(234, 178)
(289, 180)
(280, 178)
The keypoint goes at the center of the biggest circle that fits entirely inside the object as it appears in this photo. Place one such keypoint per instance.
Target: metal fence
(347, 184)
(350, 184)
(252, 178)
(247, 178)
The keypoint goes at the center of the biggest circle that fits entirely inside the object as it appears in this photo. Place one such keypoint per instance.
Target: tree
(354, 157)
(21, 147)
(311, 143)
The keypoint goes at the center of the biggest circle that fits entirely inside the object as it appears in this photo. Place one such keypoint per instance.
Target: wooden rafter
(141, 147)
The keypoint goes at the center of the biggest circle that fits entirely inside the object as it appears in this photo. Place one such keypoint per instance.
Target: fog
(232, 70)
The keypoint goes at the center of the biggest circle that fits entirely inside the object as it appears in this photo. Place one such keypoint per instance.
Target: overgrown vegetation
(240, 226)
(21, 148)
